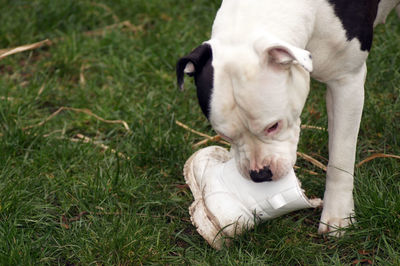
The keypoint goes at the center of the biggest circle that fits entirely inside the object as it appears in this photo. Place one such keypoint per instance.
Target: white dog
(253, 77)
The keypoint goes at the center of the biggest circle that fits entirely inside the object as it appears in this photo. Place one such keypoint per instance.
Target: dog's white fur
(261, 76)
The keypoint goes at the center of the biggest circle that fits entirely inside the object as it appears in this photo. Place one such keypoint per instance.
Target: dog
(253, 77)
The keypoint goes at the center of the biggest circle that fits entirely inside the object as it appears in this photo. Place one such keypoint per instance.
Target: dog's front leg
(345, 99)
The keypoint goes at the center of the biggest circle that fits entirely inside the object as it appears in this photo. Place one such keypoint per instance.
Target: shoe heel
(210, 231)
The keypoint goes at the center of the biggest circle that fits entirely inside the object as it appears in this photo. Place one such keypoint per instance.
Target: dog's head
(253, 96)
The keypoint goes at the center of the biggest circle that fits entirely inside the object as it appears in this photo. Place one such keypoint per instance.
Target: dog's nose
(262, 175)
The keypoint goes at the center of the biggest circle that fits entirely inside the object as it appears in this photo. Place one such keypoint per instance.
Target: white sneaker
(226, 203)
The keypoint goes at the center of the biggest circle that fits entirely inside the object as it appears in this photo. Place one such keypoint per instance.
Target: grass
(72, 203)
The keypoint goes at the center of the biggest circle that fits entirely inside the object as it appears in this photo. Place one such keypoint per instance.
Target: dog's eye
(272, 129)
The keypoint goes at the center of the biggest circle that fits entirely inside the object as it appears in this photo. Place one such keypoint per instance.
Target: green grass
(72, 203)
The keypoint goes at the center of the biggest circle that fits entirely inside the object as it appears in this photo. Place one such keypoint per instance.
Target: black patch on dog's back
(357, 17)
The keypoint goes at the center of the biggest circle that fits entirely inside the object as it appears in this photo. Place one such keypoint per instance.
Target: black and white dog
(253, 77)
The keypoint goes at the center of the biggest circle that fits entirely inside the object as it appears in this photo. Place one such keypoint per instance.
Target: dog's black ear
(192, 63)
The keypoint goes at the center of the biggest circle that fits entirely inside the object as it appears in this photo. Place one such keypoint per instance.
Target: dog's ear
(192, 63)
(282, 53)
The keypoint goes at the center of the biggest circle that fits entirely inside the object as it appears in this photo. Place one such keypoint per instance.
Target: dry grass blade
(106, 8)
(313, 127)
(192, 130)
(216, 138)
(377, 155)
(40, 91)
(106, 213)
(85, 139)
(54, 132)
(207, 139)
(99, 32)
(82, 80)
(124, 24)
(78, 110)
(305, 170)
(23, 48)
(312, 160)
(6, 98)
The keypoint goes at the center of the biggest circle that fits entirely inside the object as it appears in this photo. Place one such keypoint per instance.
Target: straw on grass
(124, 24)
(27, 47)
(306, 170)
(313, 127)
(310, 159)
(86, 139)
(5, 98)
(377, 155)
(108, 9)
(218, 139)
(6, 52)
(192, 130)
(79, 110)
(304, 156)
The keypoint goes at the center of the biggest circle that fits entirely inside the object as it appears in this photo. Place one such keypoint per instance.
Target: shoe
(226, 203)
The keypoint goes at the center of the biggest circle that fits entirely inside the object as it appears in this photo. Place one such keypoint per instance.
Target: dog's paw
(334, 226)
(337, 214)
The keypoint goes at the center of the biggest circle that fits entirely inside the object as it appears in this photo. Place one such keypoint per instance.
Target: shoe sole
(205, 222)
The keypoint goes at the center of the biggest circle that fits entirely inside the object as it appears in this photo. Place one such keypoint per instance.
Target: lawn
(91, 156)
